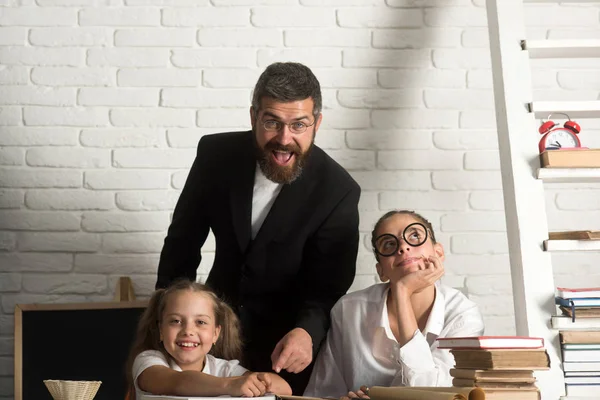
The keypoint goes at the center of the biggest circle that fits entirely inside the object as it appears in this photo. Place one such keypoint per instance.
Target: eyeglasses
(295, 126)
(414, 235)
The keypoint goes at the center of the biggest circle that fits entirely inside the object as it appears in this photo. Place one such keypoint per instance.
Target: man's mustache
(294, 149)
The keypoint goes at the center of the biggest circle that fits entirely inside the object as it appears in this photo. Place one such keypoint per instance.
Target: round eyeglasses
(295, 126)
(414, 235)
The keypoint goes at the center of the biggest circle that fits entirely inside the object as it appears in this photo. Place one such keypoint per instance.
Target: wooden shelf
(575, 109)
(577, 48)
(572, 245)
(567, 175)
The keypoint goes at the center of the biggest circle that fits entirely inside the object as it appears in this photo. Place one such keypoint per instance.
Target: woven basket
(72, 390)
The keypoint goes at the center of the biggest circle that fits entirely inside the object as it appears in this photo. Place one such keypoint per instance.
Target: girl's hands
(432, 270)
(359, 394)
(250, 385)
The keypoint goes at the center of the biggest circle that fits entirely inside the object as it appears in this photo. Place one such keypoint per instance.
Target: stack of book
(581, 362)
(578, 303)
(500, 365)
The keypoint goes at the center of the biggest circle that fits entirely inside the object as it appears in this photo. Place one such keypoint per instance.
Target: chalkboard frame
(24, 308)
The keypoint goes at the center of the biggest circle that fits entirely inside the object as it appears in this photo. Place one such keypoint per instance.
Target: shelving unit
(523, 180)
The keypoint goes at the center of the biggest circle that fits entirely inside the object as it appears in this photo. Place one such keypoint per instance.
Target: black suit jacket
(302, 260)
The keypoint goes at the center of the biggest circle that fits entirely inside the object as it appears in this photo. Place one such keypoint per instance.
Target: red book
(491, 342)
(570, 293)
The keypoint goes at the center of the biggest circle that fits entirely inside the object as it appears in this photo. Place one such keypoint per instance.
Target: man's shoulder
(224, 140)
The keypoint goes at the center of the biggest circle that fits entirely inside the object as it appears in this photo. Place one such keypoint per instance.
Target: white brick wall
(101, 109)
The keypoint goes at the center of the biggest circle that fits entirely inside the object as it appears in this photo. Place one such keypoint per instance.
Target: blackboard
(89, 341)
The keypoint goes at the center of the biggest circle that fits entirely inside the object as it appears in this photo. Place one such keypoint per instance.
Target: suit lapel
(241, 187)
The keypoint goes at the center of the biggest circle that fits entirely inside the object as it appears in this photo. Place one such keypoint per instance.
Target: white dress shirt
(264, 195)
(361, 349)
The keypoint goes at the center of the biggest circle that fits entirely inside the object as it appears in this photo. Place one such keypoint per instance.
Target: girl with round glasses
(385, 335)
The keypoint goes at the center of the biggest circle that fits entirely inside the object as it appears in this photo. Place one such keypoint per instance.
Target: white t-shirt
(263, 196)
(361, 349)
(213, 366)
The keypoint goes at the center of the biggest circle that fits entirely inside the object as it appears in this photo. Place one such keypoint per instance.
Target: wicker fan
(72, 390)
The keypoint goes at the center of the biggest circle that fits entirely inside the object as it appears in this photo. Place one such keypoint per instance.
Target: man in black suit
(285, 218)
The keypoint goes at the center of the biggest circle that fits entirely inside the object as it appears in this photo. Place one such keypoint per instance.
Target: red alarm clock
(557, 137)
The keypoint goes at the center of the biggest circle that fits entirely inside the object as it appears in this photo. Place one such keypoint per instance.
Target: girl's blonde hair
(228, 345)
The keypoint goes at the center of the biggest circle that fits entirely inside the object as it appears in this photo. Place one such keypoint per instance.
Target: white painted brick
(461, 58)
(65, 284)
(13, 36)
(378, 98)
(479, 243)
(333, 37)
(388, 139)
(540, 79)
(38, 221)
(68, 157)
(477, 264)
(584, 263)
(119, 16)
(565, 63)
(329, 97)
(200, 17)
(418, 160)
(578, 200)
(330, 139)
(152, 117)
(36, 16)
(8, 241)
(18, 136)
(65, 76)
(10, 199)
(499, 325)
(414, 119)
(153, 37)
(10, 301)
(465, 140)
(120, 97)
(419, 78)
(476, 37)
(240, 37)
(178, 179)
(219, 117)
(205, 98)
(10, 116)
(466, 222)
(10, 282)
(345, 119)
(7, 387)
(379, 17)
(454, 99)
(227, 3)
(71, 200)
(466, 180)
(41, 262)
(158, 77)
(7, 348)
(187, 137)
(84, 3)
(455, 16)
(403, 58)
(159, 200)
(312, 57)
(490, 285)
(214, 58)
(122, 137)
(365, 264)
(369, 201)
(362, 282)
(14, 75)
(222, 77)
(482, 160)
(346, 78)
(496, 305)
(41, 56)
(477, 119)
(125, 57)
(570, 220)
(56, 37)
(58, 241)
(487, 200)
(430, 200)
(65, 116)
(340, 2)
(288, 17)
(126, 180)
(169, 3)
(37, 95)
(153, 158)
(392, 180)
(132, 242)
(6, 364)
(416, 38)
(357, 160)
(125, 222)
(35, 178)
(578, 80)
(560, 16)
(426, 3)
(565, 95)
(115, 264)
(573, 33)
(7, 326)
(12, 156)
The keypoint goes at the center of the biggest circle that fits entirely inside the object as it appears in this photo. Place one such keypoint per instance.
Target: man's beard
(278, 173)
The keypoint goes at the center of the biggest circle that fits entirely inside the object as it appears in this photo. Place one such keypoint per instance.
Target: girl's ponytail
(229, 344)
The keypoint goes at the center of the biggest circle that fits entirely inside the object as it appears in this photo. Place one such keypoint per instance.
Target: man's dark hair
(287, 82)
